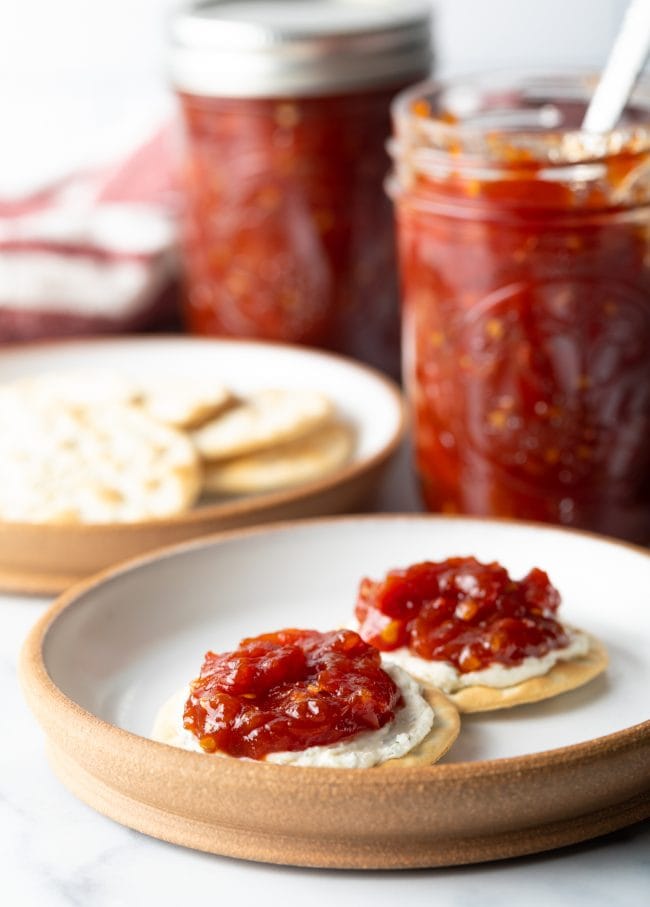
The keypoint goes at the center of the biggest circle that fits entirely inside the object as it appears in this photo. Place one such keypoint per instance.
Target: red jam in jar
(525, 267)
(287, 691)
(463, 612)
(288, 235)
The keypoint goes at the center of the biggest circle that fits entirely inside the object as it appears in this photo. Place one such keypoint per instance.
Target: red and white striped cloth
(94, 253)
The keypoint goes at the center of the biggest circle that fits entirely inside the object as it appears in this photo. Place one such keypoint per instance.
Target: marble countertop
(57, 852)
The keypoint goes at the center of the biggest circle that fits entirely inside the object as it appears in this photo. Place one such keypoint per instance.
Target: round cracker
(304, 460)
(266, 419)
(445, 730)
(562, 677)
(68, 464)
(165, 725)
(76, 388)
(181, 401)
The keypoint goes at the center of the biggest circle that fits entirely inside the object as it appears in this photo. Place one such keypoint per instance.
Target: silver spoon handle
(624, 64)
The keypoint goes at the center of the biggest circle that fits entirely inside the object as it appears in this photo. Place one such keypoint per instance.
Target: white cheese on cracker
(444, 676)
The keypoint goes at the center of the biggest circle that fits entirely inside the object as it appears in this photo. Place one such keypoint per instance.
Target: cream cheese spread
(445, 677)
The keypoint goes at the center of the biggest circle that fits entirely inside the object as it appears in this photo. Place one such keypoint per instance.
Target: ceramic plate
(102, 660)
(46, 559)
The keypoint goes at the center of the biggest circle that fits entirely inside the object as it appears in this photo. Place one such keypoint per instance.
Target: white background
(82, 78)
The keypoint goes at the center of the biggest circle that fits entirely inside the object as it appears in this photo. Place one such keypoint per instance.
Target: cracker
(176, 400)
(304, 460)
(446, 727)
(562, 677)
(77, 388)
(266, 419)
(165, 726)
(68, 464)
(181, 401)
(445, 730)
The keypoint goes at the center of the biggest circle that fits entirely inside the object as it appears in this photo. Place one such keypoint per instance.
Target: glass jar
(525, 265)
(288, 234)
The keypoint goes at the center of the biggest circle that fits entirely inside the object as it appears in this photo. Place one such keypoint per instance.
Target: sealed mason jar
(525, 267)
(288, 234)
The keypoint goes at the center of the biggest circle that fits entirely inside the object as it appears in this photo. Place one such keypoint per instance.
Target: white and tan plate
(98, 665)
(48, 558)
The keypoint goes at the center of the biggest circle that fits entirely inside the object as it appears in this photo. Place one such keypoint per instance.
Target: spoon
(623, 67)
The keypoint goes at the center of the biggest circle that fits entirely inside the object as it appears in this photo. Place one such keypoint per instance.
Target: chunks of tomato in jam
(288, 691)
(461, 611)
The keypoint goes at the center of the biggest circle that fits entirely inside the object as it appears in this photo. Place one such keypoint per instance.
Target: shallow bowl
(48, 558)
(102, 660)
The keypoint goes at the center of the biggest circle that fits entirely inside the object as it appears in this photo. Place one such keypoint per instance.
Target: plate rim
(241, 506)
(36, 680)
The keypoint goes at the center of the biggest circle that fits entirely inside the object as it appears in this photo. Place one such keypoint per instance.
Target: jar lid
(272, 48)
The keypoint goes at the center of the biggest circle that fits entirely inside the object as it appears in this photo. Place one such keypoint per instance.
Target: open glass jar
(288, 234)
(525, 267)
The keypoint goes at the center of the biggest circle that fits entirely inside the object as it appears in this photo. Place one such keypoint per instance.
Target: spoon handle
(624, 64)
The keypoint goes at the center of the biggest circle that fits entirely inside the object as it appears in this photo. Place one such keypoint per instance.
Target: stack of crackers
(100, 448)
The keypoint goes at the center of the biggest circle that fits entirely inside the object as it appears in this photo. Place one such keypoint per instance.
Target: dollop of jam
(463, 612)
(288, 691)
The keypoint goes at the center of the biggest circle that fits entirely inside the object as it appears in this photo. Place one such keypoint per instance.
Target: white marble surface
(57, 852)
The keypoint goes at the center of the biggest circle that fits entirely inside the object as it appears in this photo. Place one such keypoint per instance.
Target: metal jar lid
(279, 48)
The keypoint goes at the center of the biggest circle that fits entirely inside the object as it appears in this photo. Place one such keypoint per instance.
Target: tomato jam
(463, 612)
(525, 261)
(287, 232)
(288, 691)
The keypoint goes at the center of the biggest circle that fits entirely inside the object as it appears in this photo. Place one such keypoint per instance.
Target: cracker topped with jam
(486, 640)
(306, 698)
